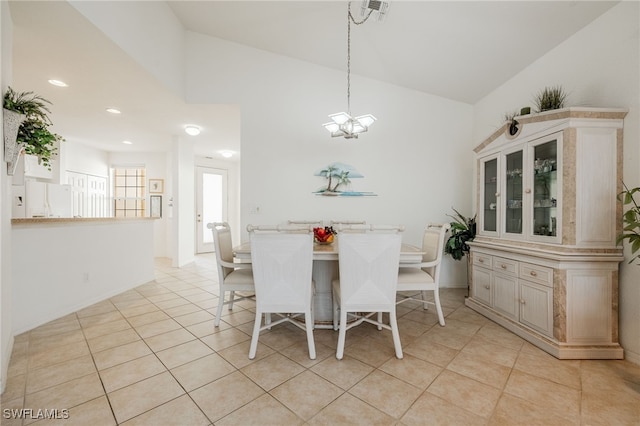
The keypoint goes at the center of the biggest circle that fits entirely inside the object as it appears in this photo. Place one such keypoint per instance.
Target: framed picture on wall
(156, 206)
(156, 186)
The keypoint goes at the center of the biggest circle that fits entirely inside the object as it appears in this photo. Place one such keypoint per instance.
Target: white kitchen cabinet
(545, 259)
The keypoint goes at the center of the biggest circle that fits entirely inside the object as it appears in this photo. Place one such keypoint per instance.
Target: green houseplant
(463, 230)
(34, 134)
(631, 221)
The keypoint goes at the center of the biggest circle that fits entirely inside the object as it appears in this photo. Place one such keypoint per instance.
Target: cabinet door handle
(533, 273)
(480, 260)
(497, 194)
(487, 287)
(527, 191)
(522, 301)
(503, 266)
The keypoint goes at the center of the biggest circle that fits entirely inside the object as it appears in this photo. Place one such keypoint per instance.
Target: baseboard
(632, 357)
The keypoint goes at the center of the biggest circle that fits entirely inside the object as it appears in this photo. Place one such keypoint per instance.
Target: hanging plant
(34, 131)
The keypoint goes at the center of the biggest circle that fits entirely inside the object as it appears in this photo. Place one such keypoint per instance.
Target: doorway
(211, 204)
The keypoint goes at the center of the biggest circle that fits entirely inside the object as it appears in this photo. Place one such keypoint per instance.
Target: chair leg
(379, 321)
(436, 296)
(342, 334)
(254, 336)
(336, 310)
(396, 334)
(425, 305)
(216, 321)
(232, 296)
(308, 322)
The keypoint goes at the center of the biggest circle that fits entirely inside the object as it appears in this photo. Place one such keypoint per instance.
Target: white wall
(6, 298)
(416, 157)
(75, 157)
(598, 66)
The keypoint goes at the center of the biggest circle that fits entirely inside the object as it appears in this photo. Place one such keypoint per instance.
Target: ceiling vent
(378, 7)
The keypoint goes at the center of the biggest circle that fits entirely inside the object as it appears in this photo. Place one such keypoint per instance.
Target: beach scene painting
(338, 178)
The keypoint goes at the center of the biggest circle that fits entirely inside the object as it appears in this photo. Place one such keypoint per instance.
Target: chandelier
(343, 123)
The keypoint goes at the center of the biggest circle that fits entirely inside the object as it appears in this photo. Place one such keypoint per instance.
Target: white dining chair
(368, 276)
(282, 271)
(232, 276)
(419, 278)
(316, 223)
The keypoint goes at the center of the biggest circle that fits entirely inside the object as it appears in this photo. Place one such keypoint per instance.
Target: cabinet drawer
(482, 260)
(507, 266)
(537, 273)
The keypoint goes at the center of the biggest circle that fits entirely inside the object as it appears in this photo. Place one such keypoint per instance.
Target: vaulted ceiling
(460, 50)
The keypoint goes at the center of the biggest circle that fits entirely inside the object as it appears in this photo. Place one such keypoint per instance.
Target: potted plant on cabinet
(550, 98)
(631, 221)
(33, 134)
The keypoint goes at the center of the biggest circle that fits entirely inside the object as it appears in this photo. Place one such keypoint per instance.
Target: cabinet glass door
(513, 193)
(490, 192)
(545, 189)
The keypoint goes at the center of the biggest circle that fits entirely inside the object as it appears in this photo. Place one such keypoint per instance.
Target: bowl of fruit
(323, 235)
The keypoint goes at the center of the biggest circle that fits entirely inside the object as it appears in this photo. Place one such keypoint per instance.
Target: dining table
(325, 270)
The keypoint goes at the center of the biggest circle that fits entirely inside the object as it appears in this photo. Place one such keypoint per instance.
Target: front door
(211, 204)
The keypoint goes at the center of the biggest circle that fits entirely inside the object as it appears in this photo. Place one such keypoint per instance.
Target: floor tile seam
(341, 392)
(543, 378)
(57, 384)
(564, 415)
(260, 396)
(460, 406)
(568, 416)
(258, 384)
(372, 406)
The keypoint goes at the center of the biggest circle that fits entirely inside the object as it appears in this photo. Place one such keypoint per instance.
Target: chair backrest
(300, 228)
(282, 267)
(368, 264)
(348, 222)
(316, 223)
(433, 247)
(223, 246)
(362, 227)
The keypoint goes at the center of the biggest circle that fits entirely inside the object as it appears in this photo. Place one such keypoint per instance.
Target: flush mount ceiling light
(113, 110)
(344, 124)
(192, 130)
(58, 83)
(127, 142)
(226, 153)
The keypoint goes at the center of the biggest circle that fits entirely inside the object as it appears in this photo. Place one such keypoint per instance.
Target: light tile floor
(151, 356)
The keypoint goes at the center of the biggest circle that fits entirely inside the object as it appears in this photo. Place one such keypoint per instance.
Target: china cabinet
(545, 258)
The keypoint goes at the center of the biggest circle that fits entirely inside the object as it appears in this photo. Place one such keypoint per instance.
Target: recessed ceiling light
(127, 142)
(113, 110)
(58, 83)
(226, 153)
(192, 130)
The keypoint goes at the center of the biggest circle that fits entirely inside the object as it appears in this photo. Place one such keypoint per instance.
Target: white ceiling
(454, 49)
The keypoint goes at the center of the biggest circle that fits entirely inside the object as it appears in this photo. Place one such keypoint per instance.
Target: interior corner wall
(6, 299)
(598, 66)
(417, 157)
(183, 193)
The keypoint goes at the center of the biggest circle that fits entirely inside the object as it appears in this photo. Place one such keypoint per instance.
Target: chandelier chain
(351, 19)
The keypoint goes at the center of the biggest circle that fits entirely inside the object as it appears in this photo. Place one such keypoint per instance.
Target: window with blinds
(129, 192)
